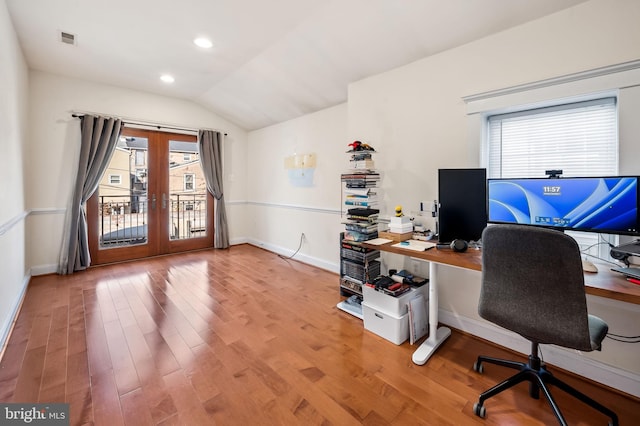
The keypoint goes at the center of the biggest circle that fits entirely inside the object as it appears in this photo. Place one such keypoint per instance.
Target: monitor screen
(462, 195)
(591, 204)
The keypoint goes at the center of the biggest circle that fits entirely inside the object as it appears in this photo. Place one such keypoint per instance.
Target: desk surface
(604, 283)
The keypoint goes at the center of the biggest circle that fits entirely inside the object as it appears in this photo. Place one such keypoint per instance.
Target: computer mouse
(588, 266)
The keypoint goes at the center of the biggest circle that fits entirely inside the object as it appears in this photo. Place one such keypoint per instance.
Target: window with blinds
(581, 139)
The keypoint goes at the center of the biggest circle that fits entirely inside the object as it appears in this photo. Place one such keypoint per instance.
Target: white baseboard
(13, 315)
(320, 263)
(238, 241)
(43, 270)
(569, 360)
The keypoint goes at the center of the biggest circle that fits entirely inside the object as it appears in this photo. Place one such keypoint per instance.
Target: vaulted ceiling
(271, 61)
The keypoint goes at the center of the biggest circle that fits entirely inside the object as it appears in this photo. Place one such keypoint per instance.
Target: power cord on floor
(296, 252)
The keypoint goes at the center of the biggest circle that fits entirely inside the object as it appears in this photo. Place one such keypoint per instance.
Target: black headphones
(618, 255)
(456, 245)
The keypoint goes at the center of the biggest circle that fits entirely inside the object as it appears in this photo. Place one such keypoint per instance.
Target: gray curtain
(210, 147)
(99, 136)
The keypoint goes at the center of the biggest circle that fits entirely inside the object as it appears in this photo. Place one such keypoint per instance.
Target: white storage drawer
(394, 305)
(389, 326)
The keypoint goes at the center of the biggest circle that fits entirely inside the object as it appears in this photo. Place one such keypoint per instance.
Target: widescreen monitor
(462, 195)
(591, 204)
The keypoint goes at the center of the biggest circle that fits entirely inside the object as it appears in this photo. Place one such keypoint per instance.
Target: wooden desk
(604, 283)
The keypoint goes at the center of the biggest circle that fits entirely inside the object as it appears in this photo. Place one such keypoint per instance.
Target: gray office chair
(533, 284)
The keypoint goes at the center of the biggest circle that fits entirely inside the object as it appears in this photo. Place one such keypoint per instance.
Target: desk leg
(436, 335)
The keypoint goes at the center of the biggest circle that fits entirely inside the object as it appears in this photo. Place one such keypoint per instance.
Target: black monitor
(591, 204)
(462, 194)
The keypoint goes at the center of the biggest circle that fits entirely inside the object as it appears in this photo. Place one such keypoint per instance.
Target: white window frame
(115, 179)
(193, 182)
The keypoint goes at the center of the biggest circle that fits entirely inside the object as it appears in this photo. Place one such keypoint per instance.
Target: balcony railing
(188, 216)
(123, 218)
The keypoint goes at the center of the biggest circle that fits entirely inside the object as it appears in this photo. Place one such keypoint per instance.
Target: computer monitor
(591, 204)
(462, 195)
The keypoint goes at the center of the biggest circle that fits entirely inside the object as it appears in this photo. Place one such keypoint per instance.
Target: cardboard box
(395, 237)
(390, 327)
(396, 306)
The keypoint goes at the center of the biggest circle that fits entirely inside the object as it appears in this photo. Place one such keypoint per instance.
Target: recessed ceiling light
(167, 78)
(205, 43)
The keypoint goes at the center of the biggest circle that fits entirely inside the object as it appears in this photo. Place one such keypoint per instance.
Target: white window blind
(581, 139)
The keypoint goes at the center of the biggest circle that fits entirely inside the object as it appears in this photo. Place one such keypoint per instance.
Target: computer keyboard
(629, 272)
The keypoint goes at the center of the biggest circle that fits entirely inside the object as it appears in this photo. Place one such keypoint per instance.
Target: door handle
(153, 201)
(164, 201)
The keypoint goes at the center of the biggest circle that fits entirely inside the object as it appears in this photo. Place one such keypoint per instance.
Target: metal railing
(188, 216)
(123, 218)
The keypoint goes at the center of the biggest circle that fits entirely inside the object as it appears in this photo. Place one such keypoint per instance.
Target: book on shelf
(359, 236)
(355, 246)
(361, 164)
(371, 198)
(364, 203)
(361, 211)
(361, 185)
(361, 192)
(362, 227)
(349, 278)
(362, 175)
(369, 219)
(361, 156)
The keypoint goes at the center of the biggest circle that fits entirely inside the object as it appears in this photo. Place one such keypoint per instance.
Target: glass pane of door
(188, 198)
(122, 196)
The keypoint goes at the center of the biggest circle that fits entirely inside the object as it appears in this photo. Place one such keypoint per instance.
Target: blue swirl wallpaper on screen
(572, 203)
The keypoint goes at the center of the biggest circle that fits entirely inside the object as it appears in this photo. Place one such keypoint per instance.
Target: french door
(151, 200)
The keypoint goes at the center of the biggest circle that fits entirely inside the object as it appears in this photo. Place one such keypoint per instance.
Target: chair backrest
(533, 284)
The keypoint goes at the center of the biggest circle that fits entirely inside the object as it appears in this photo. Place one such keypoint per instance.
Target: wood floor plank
(97, 347)
(135, 411)
(107, 409)
(30, 376)
(123, 368)
(243, 336)
(190, 410)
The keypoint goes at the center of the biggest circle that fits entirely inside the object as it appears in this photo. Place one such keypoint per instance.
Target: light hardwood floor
(244, 337)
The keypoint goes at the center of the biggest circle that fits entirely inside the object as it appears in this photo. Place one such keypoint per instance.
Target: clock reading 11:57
(551, 190)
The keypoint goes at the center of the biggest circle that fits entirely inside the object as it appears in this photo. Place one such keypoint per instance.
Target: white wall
(279, 210)
(54, 142)
(13, 119)
(416, 118)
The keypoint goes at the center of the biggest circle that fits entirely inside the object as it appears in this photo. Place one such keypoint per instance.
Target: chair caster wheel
(477, 367)
(479, 410)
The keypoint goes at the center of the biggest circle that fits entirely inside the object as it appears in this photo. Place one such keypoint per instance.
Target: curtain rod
(146, 123)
